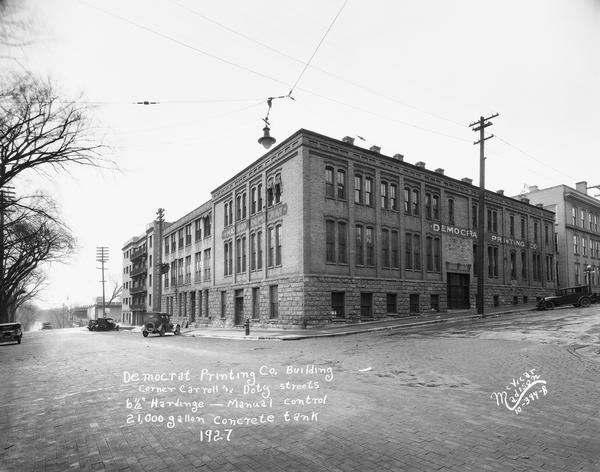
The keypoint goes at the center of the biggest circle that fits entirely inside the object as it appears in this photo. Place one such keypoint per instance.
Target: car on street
(577, 296)
(103, 324)
(11, 332)
(159, 323)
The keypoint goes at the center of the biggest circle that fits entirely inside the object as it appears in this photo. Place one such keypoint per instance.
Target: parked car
(577, 296)
(103, 324)
(159, 323)
(11, 332)
(47, 325)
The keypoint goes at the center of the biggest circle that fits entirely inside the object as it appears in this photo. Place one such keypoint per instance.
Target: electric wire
(252, 71)
(323, 71)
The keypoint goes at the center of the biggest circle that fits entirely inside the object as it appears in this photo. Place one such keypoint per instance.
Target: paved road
(416, 400)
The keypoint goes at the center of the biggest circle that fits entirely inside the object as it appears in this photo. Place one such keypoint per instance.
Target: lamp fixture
(266, 140)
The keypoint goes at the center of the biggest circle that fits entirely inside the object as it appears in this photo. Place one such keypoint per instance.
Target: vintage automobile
(577, 296)
(159, 323)
(103, 324)
(11, 332)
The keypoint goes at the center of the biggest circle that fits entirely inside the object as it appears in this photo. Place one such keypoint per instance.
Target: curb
(297, 337)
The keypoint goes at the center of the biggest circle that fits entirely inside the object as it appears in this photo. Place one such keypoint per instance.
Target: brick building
(577, 231)
(318, 229)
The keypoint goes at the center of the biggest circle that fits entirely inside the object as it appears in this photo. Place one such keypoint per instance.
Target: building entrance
(239, 307)
(458, 291)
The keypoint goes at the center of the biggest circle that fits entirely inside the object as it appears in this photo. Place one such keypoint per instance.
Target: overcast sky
(408, 76)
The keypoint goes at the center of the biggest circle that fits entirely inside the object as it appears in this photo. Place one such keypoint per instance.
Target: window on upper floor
(329, 189)
(358, 199)
(383, 194)
(394, 197)
(451, 211)
(368, 191)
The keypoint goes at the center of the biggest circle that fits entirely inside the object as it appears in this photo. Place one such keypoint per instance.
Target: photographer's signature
(522, 391)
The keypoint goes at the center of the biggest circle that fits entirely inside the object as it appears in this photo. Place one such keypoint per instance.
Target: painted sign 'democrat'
(469, 233)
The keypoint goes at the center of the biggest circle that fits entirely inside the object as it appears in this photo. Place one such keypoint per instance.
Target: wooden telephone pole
(480, 125)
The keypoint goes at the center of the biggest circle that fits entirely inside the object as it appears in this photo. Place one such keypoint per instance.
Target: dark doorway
(192, 307)
(239, 307)
(458, 291)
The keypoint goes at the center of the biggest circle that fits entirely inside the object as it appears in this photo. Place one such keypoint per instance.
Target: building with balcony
(319, 229)
(141, 269)
(577, 230)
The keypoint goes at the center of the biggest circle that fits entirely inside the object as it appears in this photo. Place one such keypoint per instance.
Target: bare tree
(116, 293)
(32, 234)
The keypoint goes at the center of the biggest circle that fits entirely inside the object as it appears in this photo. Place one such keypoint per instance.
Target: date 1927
(214, 435)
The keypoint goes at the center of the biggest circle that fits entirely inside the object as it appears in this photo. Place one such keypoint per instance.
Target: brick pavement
(409, 402)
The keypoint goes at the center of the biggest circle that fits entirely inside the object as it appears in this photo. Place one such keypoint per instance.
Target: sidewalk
(343, 329)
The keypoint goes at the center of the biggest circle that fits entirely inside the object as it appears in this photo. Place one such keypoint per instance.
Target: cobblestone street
(417, 399)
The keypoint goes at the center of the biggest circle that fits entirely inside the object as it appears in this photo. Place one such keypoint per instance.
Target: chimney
(533, 188)
(581, 187)
(467, 180)
(376, 149)
(420, 164)
(540, 205)
(400, 157)
(524, 199)
(500, 192)
(439, 170)
(348, 139)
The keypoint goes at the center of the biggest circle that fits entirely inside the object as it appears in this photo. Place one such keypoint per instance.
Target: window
(270, 194)
(238, 208)
(549, 268)
(413, 303)
(428, 206)
(432, 254)
(366, 305)
(391, 302)
(513, 265)
(342, 243)
(358, 189)
(273, 301)
(253, 200)
(278, 189)
(395, 253)
(359, 245)
(574, 216)
(385, 248)
(259, 204)
(166, 245)
(576, 244)
(173, 273)
(329, 181)
(417, 251)
(523, 228)
(437, 255)
(535, 231)
(584, 245)
(255, 302)
(180, 271)
(415, 202)
(180, 237)
(394, 197)
(228, 258)
(206, 265)
(547, 235)
(537, 267)
(188, 269)
(198, 267)
(197, 230)
(408, 249)
(451, 211)
(277, 245)
(226, 214)
(582, 218)
(238, 254)
(338, 304)
(341, 184)
(223, 304)
(492, 221)
(207, 225)
(270, 248)
(259, 250)
(577, 273)
(244, 204)
(370, 246)
(253, 251)
(429, 253)
(383, 191)
(492, 261)
(368, 191)
(474, 216)
(188, 234)
(511, 225)
(523, 265)
(330, 241)
(596, 223)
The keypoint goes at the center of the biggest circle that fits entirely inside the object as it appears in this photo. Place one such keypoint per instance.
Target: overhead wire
(323, 71)
(263, 75)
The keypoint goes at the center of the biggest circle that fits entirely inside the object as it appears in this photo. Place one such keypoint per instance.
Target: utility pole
(161, 218)
(102, 257)
(480, 125)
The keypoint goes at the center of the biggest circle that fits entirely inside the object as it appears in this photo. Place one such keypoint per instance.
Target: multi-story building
(319, 228)
(141, 291)
(577, 229)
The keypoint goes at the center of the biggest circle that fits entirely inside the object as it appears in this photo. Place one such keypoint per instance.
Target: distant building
(141, 279)
(577, 229)
(319, 229)
(113, 310)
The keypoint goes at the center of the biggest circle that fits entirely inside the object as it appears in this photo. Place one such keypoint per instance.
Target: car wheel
(145, 334)
(584, 301)
(549, 305)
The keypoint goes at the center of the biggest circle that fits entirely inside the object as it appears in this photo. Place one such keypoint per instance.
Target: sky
(406, 76)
